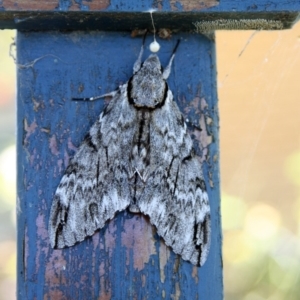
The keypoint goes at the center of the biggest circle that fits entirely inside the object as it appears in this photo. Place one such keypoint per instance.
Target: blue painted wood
(128, 14)
(126, 259)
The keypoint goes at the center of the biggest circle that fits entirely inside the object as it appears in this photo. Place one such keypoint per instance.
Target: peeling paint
(29, 129)
(59, 164)
(87, 5)
(195, 274)
(176, 296)
(37, 105)
(66, 158)
(105, 293)
(143, 280)
(53, 145)
(46, 130)
(54, 270)
(42, 244)
(199, 105)
(164, 254)
(110, 237)
(205, 138)
(55, 294)
(192, 4)
(138, 238)
(71, 145)
(32, 157)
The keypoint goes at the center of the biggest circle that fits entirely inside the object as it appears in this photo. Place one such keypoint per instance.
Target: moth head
(147, 87)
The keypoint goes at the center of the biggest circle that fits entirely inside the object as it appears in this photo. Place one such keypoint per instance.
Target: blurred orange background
(259, 93)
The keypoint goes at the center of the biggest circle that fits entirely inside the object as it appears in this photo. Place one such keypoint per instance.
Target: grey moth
(137, 156)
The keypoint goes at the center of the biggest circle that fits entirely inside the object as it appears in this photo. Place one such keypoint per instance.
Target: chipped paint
(138, 239)
(53, 145)
(55, 294)
(195, 274)
(110, 237)
(188, 5)
(29, 129)
(105, 292)
(164, 254)
(46, 130)
(59, 164)
(54, 270)
(176, 296)
(89, 5)
(205, 138)
(199, 106)
(42, 242)
(71, 145)
(66, 158)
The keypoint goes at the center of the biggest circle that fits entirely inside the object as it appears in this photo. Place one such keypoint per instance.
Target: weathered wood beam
(126, 15)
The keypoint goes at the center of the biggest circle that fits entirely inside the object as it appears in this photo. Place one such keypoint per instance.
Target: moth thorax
(148, 88)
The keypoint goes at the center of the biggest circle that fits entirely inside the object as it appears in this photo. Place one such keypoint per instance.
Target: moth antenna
(167, 70)
(138, 63)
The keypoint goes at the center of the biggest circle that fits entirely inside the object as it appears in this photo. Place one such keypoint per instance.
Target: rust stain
(188, 5)
(164, 254)
(138, 239)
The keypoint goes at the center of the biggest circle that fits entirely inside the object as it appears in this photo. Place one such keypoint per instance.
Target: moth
(138, 155)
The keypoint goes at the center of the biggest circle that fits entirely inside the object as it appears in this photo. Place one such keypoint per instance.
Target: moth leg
(144, 175)
(111, 94)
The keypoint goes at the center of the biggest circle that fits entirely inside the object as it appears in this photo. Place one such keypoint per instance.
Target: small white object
(154, 46)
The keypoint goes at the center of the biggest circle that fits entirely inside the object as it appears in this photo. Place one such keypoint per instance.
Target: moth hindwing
(138, 155)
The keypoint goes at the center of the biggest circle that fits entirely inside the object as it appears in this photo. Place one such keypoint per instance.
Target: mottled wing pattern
(175, 196)
(95, 185)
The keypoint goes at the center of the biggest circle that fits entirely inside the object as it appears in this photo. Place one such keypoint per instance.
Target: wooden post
(126, 259)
